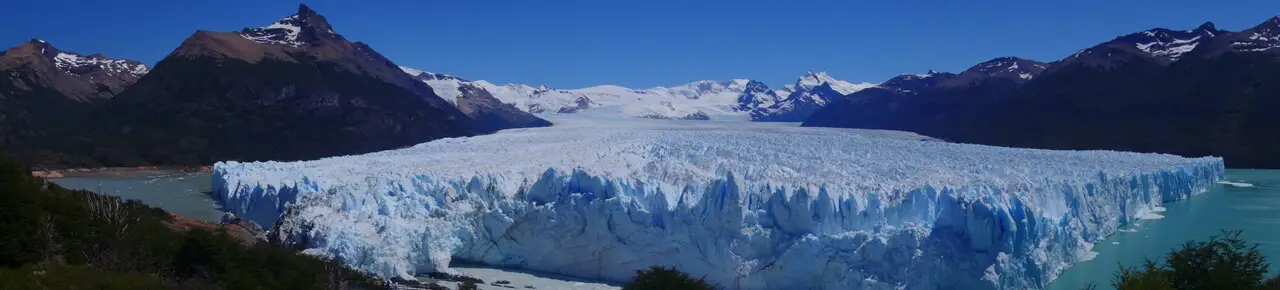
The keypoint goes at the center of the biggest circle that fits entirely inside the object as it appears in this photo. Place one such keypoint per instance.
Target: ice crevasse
(746, 207)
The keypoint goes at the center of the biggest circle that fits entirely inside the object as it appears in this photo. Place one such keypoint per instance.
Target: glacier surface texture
(745, 205)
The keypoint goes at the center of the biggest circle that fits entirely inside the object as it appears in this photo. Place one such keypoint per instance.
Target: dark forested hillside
(56, 238)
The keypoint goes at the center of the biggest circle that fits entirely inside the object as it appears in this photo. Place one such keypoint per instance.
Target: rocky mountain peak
(1263, 37)
(305, 27)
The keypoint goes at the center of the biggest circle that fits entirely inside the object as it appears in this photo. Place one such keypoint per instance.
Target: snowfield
(745, 205)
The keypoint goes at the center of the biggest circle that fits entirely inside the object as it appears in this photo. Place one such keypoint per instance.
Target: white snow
(1025, 76)
(746, 205)
(1235, 184)
(725, 100)
(69, 62)
(284, 32)
(814, 79)
(411, 71)
(1172, 50)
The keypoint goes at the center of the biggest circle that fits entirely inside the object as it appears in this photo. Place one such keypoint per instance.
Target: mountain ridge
(1210, 98)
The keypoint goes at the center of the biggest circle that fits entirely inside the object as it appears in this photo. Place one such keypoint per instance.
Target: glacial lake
(1256, 210)
(183, 193)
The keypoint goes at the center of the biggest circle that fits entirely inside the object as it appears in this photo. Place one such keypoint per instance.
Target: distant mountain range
(1196, 92)
(700, 100)
(294, 89)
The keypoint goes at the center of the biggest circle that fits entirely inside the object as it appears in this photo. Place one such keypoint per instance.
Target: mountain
(294, 89)
(1008, 69)
(38, 63)
(45, 92)
(473, 100)
(699, 100)
(810, 92)
(1193, 92)
(911, 84)
(1159, 46)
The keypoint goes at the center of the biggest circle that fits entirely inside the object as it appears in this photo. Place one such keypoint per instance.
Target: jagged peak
(303, 27)
(1207, 26)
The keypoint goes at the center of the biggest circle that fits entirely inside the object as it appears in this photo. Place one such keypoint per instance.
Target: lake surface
(1256, 210)
(183, 193)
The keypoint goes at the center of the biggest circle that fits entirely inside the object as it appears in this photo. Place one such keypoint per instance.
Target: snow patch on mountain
(744, 205)
(283, 32)
(1264, 37)
(76, 64)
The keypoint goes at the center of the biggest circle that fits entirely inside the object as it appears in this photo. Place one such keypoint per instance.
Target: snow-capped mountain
(1264, 37)
(813, 79)
(810, 92)
(75, 75)
(1162, 45)
(295, 30)
(915, 83)
(702, 100)
(1017, 70)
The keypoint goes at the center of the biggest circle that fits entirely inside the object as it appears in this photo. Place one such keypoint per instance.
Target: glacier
(745, 205)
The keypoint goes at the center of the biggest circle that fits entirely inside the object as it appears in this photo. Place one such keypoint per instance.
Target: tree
(658, 277)
(1223, 262)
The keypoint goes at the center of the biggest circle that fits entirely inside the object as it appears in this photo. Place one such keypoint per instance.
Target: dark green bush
(56, 238)
(664, 278)
(1223, 262)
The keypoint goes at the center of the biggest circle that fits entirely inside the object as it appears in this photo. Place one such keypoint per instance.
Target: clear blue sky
(577, 43)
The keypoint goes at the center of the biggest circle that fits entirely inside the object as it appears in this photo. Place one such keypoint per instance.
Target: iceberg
(744, 205)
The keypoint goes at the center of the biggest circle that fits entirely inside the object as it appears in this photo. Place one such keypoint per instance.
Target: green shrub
(56, 238)
(664, 278)
(1223, 262)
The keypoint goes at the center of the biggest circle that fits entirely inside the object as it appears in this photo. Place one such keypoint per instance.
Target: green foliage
(76, 277)
(19, 222)
(1223, 262)
(657, 277)
(68, 239)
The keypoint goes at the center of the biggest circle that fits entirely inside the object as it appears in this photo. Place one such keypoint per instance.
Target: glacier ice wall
(745, 206)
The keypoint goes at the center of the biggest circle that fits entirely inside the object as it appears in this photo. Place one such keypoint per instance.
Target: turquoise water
(1256, 210)
(186, 194)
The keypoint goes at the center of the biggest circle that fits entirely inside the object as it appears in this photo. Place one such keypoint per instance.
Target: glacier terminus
(745, 205)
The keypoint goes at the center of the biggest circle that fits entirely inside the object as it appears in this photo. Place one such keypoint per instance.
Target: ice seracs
(745, 205)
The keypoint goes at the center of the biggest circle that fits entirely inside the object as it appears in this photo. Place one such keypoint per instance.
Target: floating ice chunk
(1235, 184)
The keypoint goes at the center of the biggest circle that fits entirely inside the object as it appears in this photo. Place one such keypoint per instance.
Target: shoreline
(73, 172)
